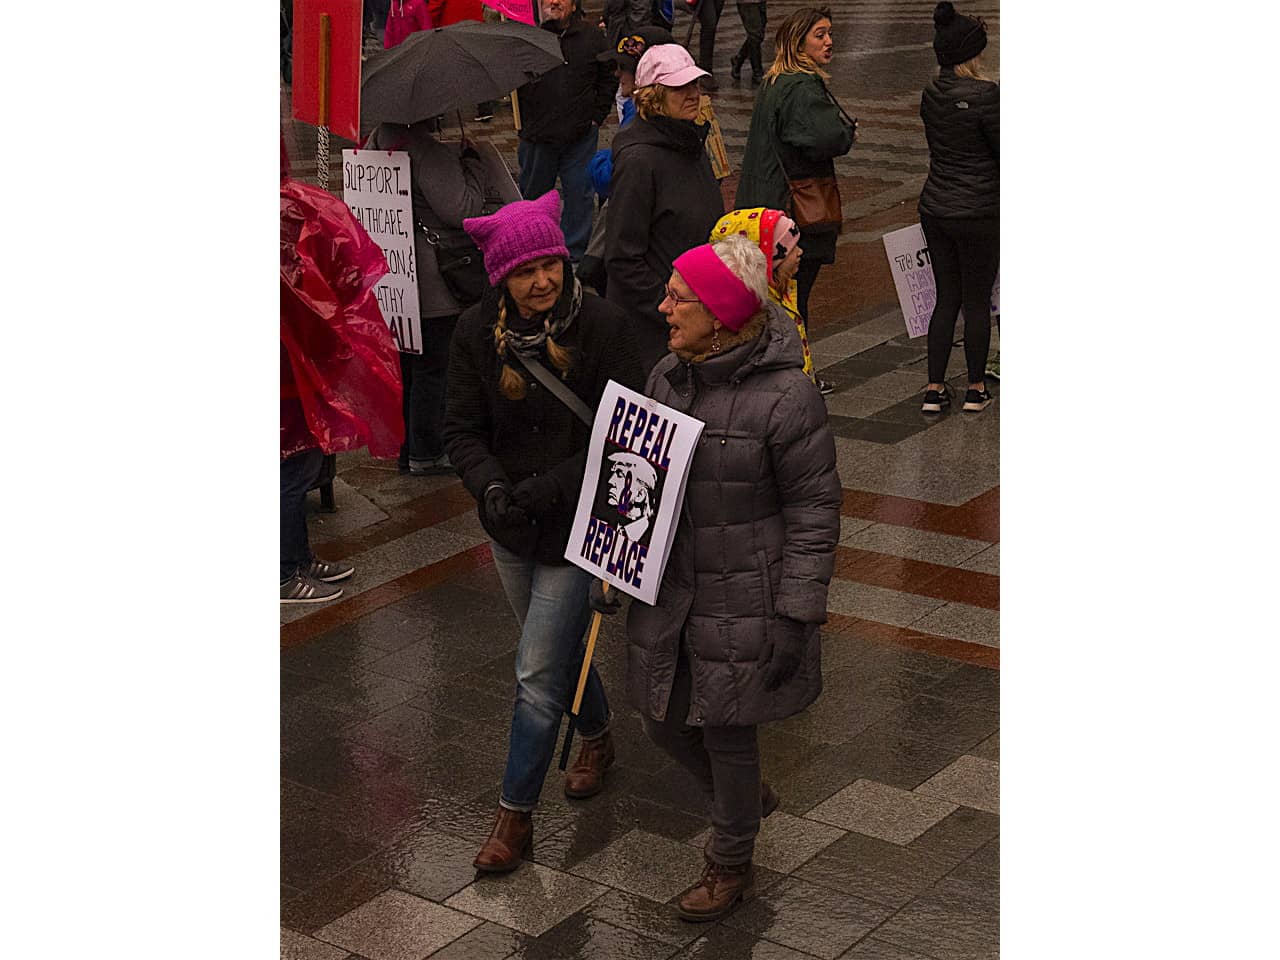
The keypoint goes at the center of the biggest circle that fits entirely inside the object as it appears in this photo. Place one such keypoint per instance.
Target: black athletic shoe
(935, 400)
(735, 67)
(825, 387)
(975, 400)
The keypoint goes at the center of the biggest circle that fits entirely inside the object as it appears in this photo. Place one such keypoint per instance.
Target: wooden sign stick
(322, 131)
(582, 683)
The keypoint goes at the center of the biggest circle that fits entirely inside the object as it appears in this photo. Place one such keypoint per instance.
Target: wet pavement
(395, 700)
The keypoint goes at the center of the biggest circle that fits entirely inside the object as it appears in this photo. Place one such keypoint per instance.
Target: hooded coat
(663, 201)
(754, 551)
(794, 119)
(962, 124)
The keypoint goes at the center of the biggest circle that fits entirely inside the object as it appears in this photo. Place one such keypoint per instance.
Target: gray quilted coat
(754, 550)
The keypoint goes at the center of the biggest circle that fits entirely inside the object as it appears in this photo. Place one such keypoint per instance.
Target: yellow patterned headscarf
(759, 225)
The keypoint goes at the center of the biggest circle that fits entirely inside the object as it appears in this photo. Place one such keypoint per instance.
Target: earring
(715, 341)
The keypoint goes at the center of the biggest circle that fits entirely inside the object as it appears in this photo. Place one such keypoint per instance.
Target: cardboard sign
(521, 10)
(637, 465)
(913, 277)
(344, 64)
(375, 185)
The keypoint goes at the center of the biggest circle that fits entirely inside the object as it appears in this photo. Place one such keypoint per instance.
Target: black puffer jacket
(663, 200)
(962, 123)
(755, 549)
(559, 107)
(489, 437)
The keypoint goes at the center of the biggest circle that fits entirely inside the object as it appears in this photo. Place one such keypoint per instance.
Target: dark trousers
(806, 277)
(297, 474)
(542, 163)
(754, 19)
(965, 255)
(726, 763)
(709, 18)
(424, 380)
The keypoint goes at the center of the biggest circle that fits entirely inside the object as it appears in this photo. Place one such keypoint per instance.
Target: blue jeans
(542, 163)
(550, 601)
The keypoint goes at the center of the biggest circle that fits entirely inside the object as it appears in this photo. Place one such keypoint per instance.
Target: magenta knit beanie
(521, 231)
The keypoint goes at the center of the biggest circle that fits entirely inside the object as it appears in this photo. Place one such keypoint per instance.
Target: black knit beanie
(956, 38)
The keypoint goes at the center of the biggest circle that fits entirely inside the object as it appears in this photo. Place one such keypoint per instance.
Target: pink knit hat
(521, 231)
(728, 298)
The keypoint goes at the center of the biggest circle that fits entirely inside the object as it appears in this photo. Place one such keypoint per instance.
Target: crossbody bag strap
(557, 386)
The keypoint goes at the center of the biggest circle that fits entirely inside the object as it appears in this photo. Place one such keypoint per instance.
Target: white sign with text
(375, 185)
(913, 278)
(637, 464)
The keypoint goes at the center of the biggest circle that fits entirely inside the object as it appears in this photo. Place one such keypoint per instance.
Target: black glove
(786, 653)
(606, 603)
(500, 509)
(536, 495)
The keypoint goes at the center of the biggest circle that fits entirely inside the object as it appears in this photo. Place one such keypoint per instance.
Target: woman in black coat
(521, 451)
(663, 197)
(960, 203)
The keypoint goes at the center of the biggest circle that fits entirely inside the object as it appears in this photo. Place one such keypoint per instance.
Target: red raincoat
(339, 368)
(405, 17)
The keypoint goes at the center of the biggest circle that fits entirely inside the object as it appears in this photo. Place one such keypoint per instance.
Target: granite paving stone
(874, 869)
(988, 749)
(970, 782)
(784, 841)
(887, 756)
(879, 810)
(917, 544)
(873, 949)
(334, 897)
(361, 694)
(807, 917)
(850, 526)
(877, 603)
(947, 922)
(963, 622)
(295, 946)
(653, 921)
(958, 726)
(726, 943)
(489, 941)
(531, 899)
(979, 686)
(396, 926)
(428, 864)
(645, 864)
(988, 561)
(957, 837)
(581, 937)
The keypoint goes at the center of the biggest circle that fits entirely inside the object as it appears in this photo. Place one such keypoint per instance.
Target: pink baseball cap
(668, 64)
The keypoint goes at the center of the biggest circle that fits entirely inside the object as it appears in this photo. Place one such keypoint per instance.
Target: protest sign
(637, 465)
(375, 185)
(342, 69)
(913, 277)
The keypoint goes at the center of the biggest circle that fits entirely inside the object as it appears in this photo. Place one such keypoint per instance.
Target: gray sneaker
(328, 571)
(303, 589)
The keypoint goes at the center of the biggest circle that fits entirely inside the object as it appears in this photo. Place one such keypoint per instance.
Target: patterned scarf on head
(762, 226)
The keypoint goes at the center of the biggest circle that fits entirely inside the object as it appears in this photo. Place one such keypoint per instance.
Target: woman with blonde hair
(664, 198)
(797, 130)
(732, 641)
(960, 202)
(528, 366)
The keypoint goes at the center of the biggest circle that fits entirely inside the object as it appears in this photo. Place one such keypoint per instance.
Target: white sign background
(637, 464)
(913, 277)
(375, 185)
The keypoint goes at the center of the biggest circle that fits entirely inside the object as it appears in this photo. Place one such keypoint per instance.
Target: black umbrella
(435, 71)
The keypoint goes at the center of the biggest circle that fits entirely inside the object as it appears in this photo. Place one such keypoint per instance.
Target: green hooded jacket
(795, 118)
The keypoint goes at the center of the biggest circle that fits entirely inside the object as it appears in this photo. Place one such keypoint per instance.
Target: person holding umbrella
(732, 641)
(561, 113)
(528, 364)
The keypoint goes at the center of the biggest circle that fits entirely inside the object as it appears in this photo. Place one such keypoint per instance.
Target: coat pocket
(766, 582)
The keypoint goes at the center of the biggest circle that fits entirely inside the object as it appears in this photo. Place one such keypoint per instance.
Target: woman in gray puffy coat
(732, 641)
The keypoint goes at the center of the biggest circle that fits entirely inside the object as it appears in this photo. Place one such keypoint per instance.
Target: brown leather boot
(586, 777)
(509, 843)
(719, 891)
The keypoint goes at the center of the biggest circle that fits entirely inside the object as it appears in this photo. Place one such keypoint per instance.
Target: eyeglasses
(675, 299)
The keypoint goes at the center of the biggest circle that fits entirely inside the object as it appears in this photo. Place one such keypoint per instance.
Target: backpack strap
(557, 387)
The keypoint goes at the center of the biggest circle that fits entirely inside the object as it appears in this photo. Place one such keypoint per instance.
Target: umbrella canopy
(436, 71)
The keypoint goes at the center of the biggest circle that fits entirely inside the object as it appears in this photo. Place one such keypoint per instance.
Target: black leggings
(965, 255)
(806, 277)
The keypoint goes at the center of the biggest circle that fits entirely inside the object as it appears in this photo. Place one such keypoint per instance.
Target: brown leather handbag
(815, 201)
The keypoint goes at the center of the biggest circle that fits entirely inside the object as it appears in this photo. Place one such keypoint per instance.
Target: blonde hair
(512, 384)
(788, 42)
(651, 101)
(972, 69)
